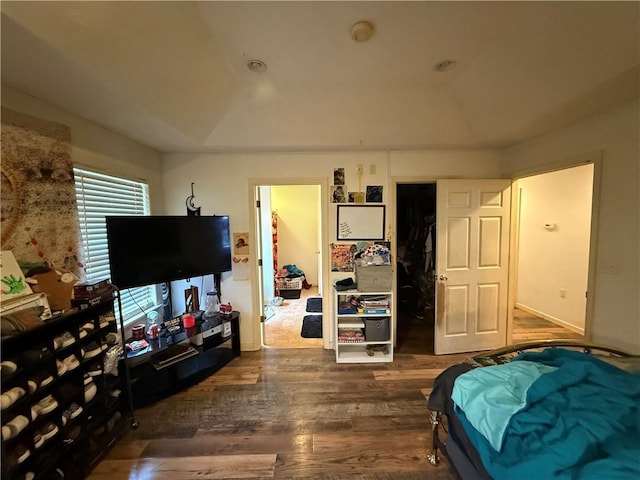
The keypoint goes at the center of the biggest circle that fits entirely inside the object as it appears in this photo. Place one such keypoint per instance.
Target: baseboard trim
(554, 320)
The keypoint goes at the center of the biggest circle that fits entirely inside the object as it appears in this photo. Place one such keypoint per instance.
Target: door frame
(594, 158)
(256, 283)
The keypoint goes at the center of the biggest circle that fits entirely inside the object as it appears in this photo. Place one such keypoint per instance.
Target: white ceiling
(173, 75)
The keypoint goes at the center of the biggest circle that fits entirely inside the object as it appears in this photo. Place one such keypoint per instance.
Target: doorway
(415, 266)
(416, 206)
(553, 242)
(290, 231)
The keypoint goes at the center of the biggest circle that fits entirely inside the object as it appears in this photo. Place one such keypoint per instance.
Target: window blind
(99, 195)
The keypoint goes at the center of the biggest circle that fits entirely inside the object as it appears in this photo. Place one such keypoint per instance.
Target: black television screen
(145, 250)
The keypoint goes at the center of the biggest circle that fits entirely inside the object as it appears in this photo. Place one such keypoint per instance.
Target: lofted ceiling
(173, 75)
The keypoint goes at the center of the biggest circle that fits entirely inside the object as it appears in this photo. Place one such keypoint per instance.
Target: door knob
(443, 278)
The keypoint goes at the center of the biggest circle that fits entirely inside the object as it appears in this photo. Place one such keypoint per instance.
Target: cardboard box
(376, 329)
(373, 278)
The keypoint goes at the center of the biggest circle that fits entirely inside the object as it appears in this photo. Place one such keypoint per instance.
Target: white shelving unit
(364, 350)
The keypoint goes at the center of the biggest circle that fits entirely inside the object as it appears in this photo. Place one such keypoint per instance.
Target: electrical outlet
(359, 169)
(563, 293)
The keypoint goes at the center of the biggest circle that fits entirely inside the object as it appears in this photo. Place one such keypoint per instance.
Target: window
(99, 195)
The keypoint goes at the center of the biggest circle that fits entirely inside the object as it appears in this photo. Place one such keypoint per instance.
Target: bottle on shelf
(212, 304)
(152, 324)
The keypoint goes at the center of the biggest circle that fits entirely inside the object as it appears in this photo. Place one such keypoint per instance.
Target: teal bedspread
(580, 421)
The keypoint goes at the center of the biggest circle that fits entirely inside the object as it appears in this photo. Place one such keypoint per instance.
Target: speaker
(167, 311)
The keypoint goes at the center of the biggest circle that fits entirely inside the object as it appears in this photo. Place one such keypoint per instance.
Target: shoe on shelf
(48, 430)
(95, 369)
(71, 412)
(8, 368)
(86, 329)
(106, 318)
(47, 405)
(21, 453)
(41, 380)
(32, 386)
(71, 362)
(90, 392)
(38, 440)
(72, 435)
(62, 368)
(63, 340)
(16, 425)
(93, 349)
(111, 339)
(11, 396)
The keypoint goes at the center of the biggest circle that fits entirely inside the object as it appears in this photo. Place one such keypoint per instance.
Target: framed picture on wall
(360, 222)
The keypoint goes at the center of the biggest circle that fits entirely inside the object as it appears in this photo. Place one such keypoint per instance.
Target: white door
(472, 256)
(263, 249)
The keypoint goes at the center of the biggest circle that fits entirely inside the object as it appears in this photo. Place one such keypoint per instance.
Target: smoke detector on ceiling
(361, 31)
(445, 65)
(257, 66)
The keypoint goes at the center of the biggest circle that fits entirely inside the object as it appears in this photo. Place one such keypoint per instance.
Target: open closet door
(472, 255)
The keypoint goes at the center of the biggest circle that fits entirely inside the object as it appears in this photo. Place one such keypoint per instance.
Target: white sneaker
(63, 340)
(47, 405)
(90, 392)
(62, 369)
(71, 362)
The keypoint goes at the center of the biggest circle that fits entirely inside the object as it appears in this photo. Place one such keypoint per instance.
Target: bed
(556, 409)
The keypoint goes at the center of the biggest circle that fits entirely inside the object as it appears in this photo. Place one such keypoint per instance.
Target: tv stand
(177, 360)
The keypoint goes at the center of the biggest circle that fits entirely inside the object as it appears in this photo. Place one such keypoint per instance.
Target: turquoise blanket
(490, 396)
(581, 421)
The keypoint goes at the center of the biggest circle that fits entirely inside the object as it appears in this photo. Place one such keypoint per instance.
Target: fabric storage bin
(376, 329)
(373, 278)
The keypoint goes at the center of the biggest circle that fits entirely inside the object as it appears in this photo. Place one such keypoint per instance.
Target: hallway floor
(415, 334)
(282, 330)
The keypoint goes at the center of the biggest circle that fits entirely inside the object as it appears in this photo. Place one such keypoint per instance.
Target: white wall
(223, 186)
(95, 147)
(298, 208)
(616, 299)
(434, 164)
(553, 259)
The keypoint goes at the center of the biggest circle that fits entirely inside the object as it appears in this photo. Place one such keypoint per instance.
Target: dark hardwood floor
(288, 414)
(291, 414)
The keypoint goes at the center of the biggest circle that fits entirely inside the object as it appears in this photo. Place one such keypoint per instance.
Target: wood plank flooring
(295, 414)
(288, 414)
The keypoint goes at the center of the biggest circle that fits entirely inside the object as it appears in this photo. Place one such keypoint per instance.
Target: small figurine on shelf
(226, 309)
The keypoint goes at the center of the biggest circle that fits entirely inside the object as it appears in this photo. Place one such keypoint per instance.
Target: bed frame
(501, 356)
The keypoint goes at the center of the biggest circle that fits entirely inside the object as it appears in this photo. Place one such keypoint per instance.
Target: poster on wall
(40, 223)
(338, 176)
(338, 194)
(374, 193)
(356, 197)
(240, 267)
(342, 257)
(241, 243)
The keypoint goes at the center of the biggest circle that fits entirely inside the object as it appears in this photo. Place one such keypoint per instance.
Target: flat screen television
(146, 250)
